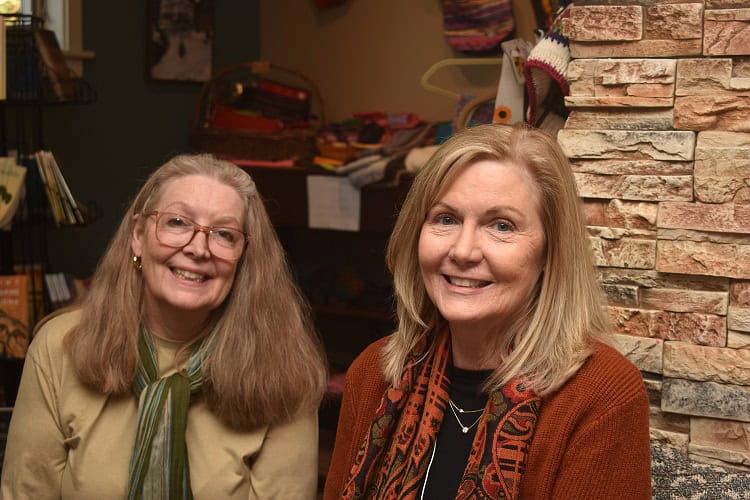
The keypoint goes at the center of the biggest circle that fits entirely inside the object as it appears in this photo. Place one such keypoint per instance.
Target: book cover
(14, 316)
(11, 188)
(35, 278)
(50, 188)
(55, 67)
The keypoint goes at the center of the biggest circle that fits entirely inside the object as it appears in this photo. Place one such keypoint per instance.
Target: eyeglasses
(176, 231)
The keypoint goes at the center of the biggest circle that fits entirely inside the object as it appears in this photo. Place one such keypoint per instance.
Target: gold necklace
(464, 428)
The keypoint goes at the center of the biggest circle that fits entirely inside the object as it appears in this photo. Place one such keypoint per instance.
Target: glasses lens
(226, 243)
(174, 230)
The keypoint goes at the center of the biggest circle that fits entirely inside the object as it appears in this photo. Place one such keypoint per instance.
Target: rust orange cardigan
(591, 440)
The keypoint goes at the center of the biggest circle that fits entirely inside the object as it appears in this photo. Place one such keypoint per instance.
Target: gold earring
(137, 263)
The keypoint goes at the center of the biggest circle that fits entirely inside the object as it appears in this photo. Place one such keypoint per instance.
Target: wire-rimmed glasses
(176, 231)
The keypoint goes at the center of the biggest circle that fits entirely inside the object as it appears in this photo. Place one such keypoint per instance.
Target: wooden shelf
(285, 192)
(342, 273)
(353, 311)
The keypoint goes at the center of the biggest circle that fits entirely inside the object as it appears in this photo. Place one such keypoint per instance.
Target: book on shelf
(66, 210)
(54, 67)
(12, 178)
(63, 289)
(35, 280)
(70, 201)
(50, 188)
(3, 62)
(14, 316)
(23, 81)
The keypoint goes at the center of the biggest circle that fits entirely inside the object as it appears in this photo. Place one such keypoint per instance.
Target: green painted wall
(106, 149)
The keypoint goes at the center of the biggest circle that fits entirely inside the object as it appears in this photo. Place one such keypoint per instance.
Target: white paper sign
(332, 203)
(510, 89)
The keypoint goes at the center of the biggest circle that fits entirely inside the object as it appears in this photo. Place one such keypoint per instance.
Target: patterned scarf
(159, 463)
(393, 460)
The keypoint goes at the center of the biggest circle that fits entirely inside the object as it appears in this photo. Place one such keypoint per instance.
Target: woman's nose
(465, 248)
(198, 244)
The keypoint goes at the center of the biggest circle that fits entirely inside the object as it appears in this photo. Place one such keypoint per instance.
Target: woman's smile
(188, 275)
(481, 248)
(466, 282)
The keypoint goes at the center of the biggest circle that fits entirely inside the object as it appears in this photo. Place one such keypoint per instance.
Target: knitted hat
(545, 69)
(477, 25)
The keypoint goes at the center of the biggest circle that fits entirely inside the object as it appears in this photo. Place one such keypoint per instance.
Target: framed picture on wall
(179, 40)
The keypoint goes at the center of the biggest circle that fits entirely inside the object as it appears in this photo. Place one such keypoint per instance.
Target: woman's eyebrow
(499, 210)
(493, 211)
(188, 211)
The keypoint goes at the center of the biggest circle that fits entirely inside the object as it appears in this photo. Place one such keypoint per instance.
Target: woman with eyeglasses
(500, 381)
(190, 369)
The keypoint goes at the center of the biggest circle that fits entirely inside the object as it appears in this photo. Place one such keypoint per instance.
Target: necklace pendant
(464, 429)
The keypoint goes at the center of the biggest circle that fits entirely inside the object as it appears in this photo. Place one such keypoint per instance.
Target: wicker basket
(251, 144)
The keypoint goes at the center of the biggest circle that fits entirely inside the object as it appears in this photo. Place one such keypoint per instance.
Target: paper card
(332, 203)
(509, 99)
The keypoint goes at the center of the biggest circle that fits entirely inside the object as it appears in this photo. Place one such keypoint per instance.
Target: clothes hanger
(454, 61)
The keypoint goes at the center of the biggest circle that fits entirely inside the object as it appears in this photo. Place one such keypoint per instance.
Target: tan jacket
(68, 441)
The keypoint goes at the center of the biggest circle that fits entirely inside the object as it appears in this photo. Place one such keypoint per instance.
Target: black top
(453, 446)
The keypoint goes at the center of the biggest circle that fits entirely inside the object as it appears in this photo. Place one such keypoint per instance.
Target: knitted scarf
(393, 460)
(159, 463)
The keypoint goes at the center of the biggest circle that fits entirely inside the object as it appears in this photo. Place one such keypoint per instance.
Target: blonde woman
(499, 382)
(189, 371)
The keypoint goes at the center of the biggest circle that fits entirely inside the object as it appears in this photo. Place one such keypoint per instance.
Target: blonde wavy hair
(560, 327)
(266, 364)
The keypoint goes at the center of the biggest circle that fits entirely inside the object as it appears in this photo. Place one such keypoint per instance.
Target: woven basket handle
(258, 68)
(464, 116)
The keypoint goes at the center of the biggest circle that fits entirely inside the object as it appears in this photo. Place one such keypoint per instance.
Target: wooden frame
(179, 40)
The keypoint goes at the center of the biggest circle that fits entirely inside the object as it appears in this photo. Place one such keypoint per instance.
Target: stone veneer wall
(659, 139)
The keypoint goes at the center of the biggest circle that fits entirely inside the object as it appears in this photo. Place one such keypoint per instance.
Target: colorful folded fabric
(477, 25)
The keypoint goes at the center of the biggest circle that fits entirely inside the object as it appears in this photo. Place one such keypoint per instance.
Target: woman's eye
(226, 235)
(176, 222)
(503, 226)
(445, 220)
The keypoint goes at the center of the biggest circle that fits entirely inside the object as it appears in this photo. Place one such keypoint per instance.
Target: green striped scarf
(159, 463)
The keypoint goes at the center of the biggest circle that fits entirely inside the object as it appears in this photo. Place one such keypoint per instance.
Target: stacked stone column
(659, 140)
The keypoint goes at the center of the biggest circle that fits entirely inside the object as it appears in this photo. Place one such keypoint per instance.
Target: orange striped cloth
(393, 459)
